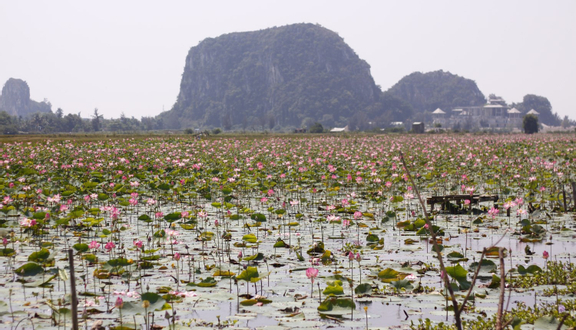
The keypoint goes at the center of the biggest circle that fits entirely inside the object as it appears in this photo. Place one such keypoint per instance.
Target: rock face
(15, 99)
(287, 76)
(438, 89)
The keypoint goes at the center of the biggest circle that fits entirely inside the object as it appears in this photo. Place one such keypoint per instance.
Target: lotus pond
(282, 233)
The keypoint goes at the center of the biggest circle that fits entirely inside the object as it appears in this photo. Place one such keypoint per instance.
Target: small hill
(292, 75)
(540, 104)
(437, 89)
(15, 99)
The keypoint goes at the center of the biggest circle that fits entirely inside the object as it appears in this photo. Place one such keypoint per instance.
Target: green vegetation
(316, 128)
(530, 124)
(328, 227)
(540, 104)
(48, 122)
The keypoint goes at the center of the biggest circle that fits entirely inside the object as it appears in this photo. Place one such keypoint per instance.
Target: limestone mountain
(437, 89)
(15, 99)
(292, 75)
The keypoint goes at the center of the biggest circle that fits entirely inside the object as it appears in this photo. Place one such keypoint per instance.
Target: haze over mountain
(15, 99)
(292, 75)
(438, 89)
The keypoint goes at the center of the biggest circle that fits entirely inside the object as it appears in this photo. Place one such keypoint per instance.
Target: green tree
(316, 128)
(540, 104)
(565, 122)
(96, 124)
(530, 124)
(7, 124)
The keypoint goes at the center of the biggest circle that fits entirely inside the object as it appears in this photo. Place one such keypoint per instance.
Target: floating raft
(446, 199)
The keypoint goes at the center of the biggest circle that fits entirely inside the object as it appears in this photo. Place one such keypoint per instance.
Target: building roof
(438, 112)
(493, 106)
(513, 110)
(338, 129)
(533, 112)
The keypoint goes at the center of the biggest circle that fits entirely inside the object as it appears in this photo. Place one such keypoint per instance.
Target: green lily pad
(29, 269)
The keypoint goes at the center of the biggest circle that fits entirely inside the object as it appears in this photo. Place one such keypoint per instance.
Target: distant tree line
(57, 122)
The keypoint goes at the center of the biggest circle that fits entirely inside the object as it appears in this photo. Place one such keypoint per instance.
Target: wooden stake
(574, 194)
(74, 302)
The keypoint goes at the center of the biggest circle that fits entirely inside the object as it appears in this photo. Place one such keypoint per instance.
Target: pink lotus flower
(184, 214)
(312, 273)
(411, 278)
(177, 256)
(521, 212)
(545, 255)
(109, 246)
(138, 244)
(172, 233)
(332, 217)
(93, 245)
(493, 212)
(345, 223)
(27, 222)
(509, 204)
(357, 215)
(119, 302)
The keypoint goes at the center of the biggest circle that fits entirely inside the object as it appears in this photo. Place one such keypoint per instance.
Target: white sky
(128, 56)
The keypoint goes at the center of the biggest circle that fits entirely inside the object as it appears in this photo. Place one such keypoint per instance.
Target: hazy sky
(128, 56)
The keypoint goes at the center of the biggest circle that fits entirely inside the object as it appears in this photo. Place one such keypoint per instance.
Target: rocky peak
(15, 99)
